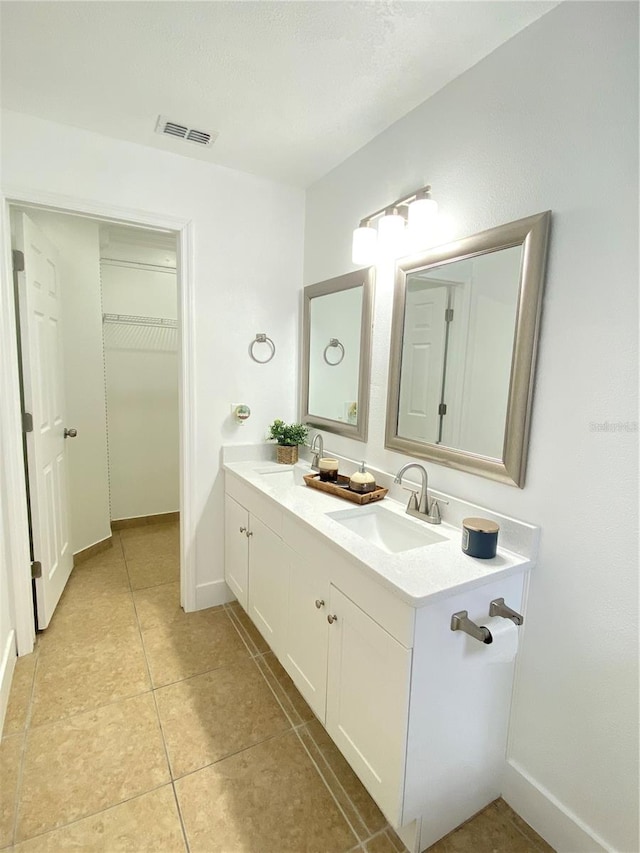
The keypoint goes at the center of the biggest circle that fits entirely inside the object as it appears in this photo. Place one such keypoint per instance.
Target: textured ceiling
(293, 88)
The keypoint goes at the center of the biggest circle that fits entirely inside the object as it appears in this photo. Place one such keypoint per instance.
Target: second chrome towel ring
(261, 338)
(334, 342)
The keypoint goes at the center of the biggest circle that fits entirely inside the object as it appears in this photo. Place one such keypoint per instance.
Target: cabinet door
(236, 551)
(368, 701)
(305, 650)
(267, 583)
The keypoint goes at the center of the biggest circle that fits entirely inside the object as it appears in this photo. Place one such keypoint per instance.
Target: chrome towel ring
(261, 338)
(334, 342)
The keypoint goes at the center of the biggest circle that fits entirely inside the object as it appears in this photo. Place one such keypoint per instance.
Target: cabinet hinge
(18, 260)
(442, 409)
(36, 569)
(448, 315)
(27, 422)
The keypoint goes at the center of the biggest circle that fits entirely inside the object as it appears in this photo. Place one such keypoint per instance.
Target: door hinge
(442, 409)
(27, 422)
(448, 315)
(36, 569)
(18, 260)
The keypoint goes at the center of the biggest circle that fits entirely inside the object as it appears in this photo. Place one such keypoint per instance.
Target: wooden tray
(342, 490)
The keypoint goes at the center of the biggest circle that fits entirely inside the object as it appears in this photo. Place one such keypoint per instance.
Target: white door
(423, 354)
(267, 583)
(368, 684)
(236, 549)
(41, 350)
(305, 653)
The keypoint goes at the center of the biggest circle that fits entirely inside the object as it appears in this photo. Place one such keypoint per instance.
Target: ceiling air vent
(183, 131)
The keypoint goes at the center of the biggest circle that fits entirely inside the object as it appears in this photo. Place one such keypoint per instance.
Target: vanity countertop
(418, 576)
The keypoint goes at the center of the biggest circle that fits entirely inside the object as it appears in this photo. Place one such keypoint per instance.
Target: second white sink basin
(384, 529)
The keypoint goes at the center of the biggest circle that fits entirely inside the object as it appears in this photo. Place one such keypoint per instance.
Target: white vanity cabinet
(420, 712)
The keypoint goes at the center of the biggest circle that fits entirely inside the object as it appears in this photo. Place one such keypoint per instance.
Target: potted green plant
(288, 436)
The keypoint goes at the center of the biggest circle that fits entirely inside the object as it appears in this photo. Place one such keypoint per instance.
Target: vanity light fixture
(417, 208)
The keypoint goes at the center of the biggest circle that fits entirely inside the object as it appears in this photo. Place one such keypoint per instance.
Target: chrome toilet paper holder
(498, 608)
(460, 621)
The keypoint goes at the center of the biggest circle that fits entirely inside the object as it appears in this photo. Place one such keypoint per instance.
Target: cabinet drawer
(394, 615)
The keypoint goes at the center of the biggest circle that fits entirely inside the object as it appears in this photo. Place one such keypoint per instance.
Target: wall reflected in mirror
(336, 353)
(459, 326)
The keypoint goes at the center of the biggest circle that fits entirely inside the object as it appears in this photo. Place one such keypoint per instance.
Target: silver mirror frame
(360, 278)
(532, 234)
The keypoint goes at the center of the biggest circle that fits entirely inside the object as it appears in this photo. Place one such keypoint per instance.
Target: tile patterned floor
(137, 727)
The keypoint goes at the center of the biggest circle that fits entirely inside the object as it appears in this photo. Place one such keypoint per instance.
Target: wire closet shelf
(138, 320)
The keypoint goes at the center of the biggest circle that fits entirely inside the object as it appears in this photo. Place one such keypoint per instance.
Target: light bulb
(422, 212)
(363, 248)
(391, 234)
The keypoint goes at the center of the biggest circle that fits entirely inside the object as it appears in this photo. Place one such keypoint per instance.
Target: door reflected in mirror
(459, 326)
(336, 354)
(463, 345)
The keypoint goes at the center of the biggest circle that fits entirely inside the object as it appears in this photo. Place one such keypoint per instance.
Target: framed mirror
(337, 317)
(463, 346)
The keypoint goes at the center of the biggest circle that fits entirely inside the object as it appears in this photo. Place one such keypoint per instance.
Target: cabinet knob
(249, 533)
(331, 619)
(243, 530)
(319, 603)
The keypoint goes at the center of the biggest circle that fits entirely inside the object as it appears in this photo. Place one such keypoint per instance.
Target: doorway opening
(101, 345)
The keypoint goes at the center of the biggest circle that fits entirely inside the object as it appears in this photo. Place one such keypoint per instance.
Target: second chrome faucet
(419, 505)
(317, 449)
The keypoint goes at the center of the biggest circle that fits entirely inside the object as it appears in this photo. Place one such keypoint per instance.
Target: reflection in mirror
(462, 353)
(334, 355)
(459, 325)
(337, 338)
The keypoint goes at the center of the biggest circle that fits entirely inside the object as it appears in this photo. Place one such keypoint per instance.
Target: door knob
(70, 433)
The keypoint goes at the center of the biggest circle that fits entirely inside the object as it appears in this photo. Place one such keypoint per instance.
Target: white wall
(247, 266)
(549, 120)
(77, 242)
(141, 370)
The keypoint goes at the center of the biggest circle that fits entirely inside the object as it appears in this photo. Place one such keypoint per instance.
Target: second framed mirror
(336, 354)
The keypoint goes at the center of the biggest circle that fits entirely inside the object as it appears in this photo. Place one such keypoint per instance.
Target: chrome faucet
(419, 505)
(317, 448)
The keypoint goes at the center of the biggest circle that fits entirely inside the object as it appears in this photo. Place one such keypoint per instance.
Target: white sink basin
(283, 475)
(384, 529)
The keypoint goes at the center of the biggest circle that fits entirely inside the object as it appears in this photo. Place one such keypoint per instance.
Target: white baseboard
(212, 594)
(562, 829)
(7, 665)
